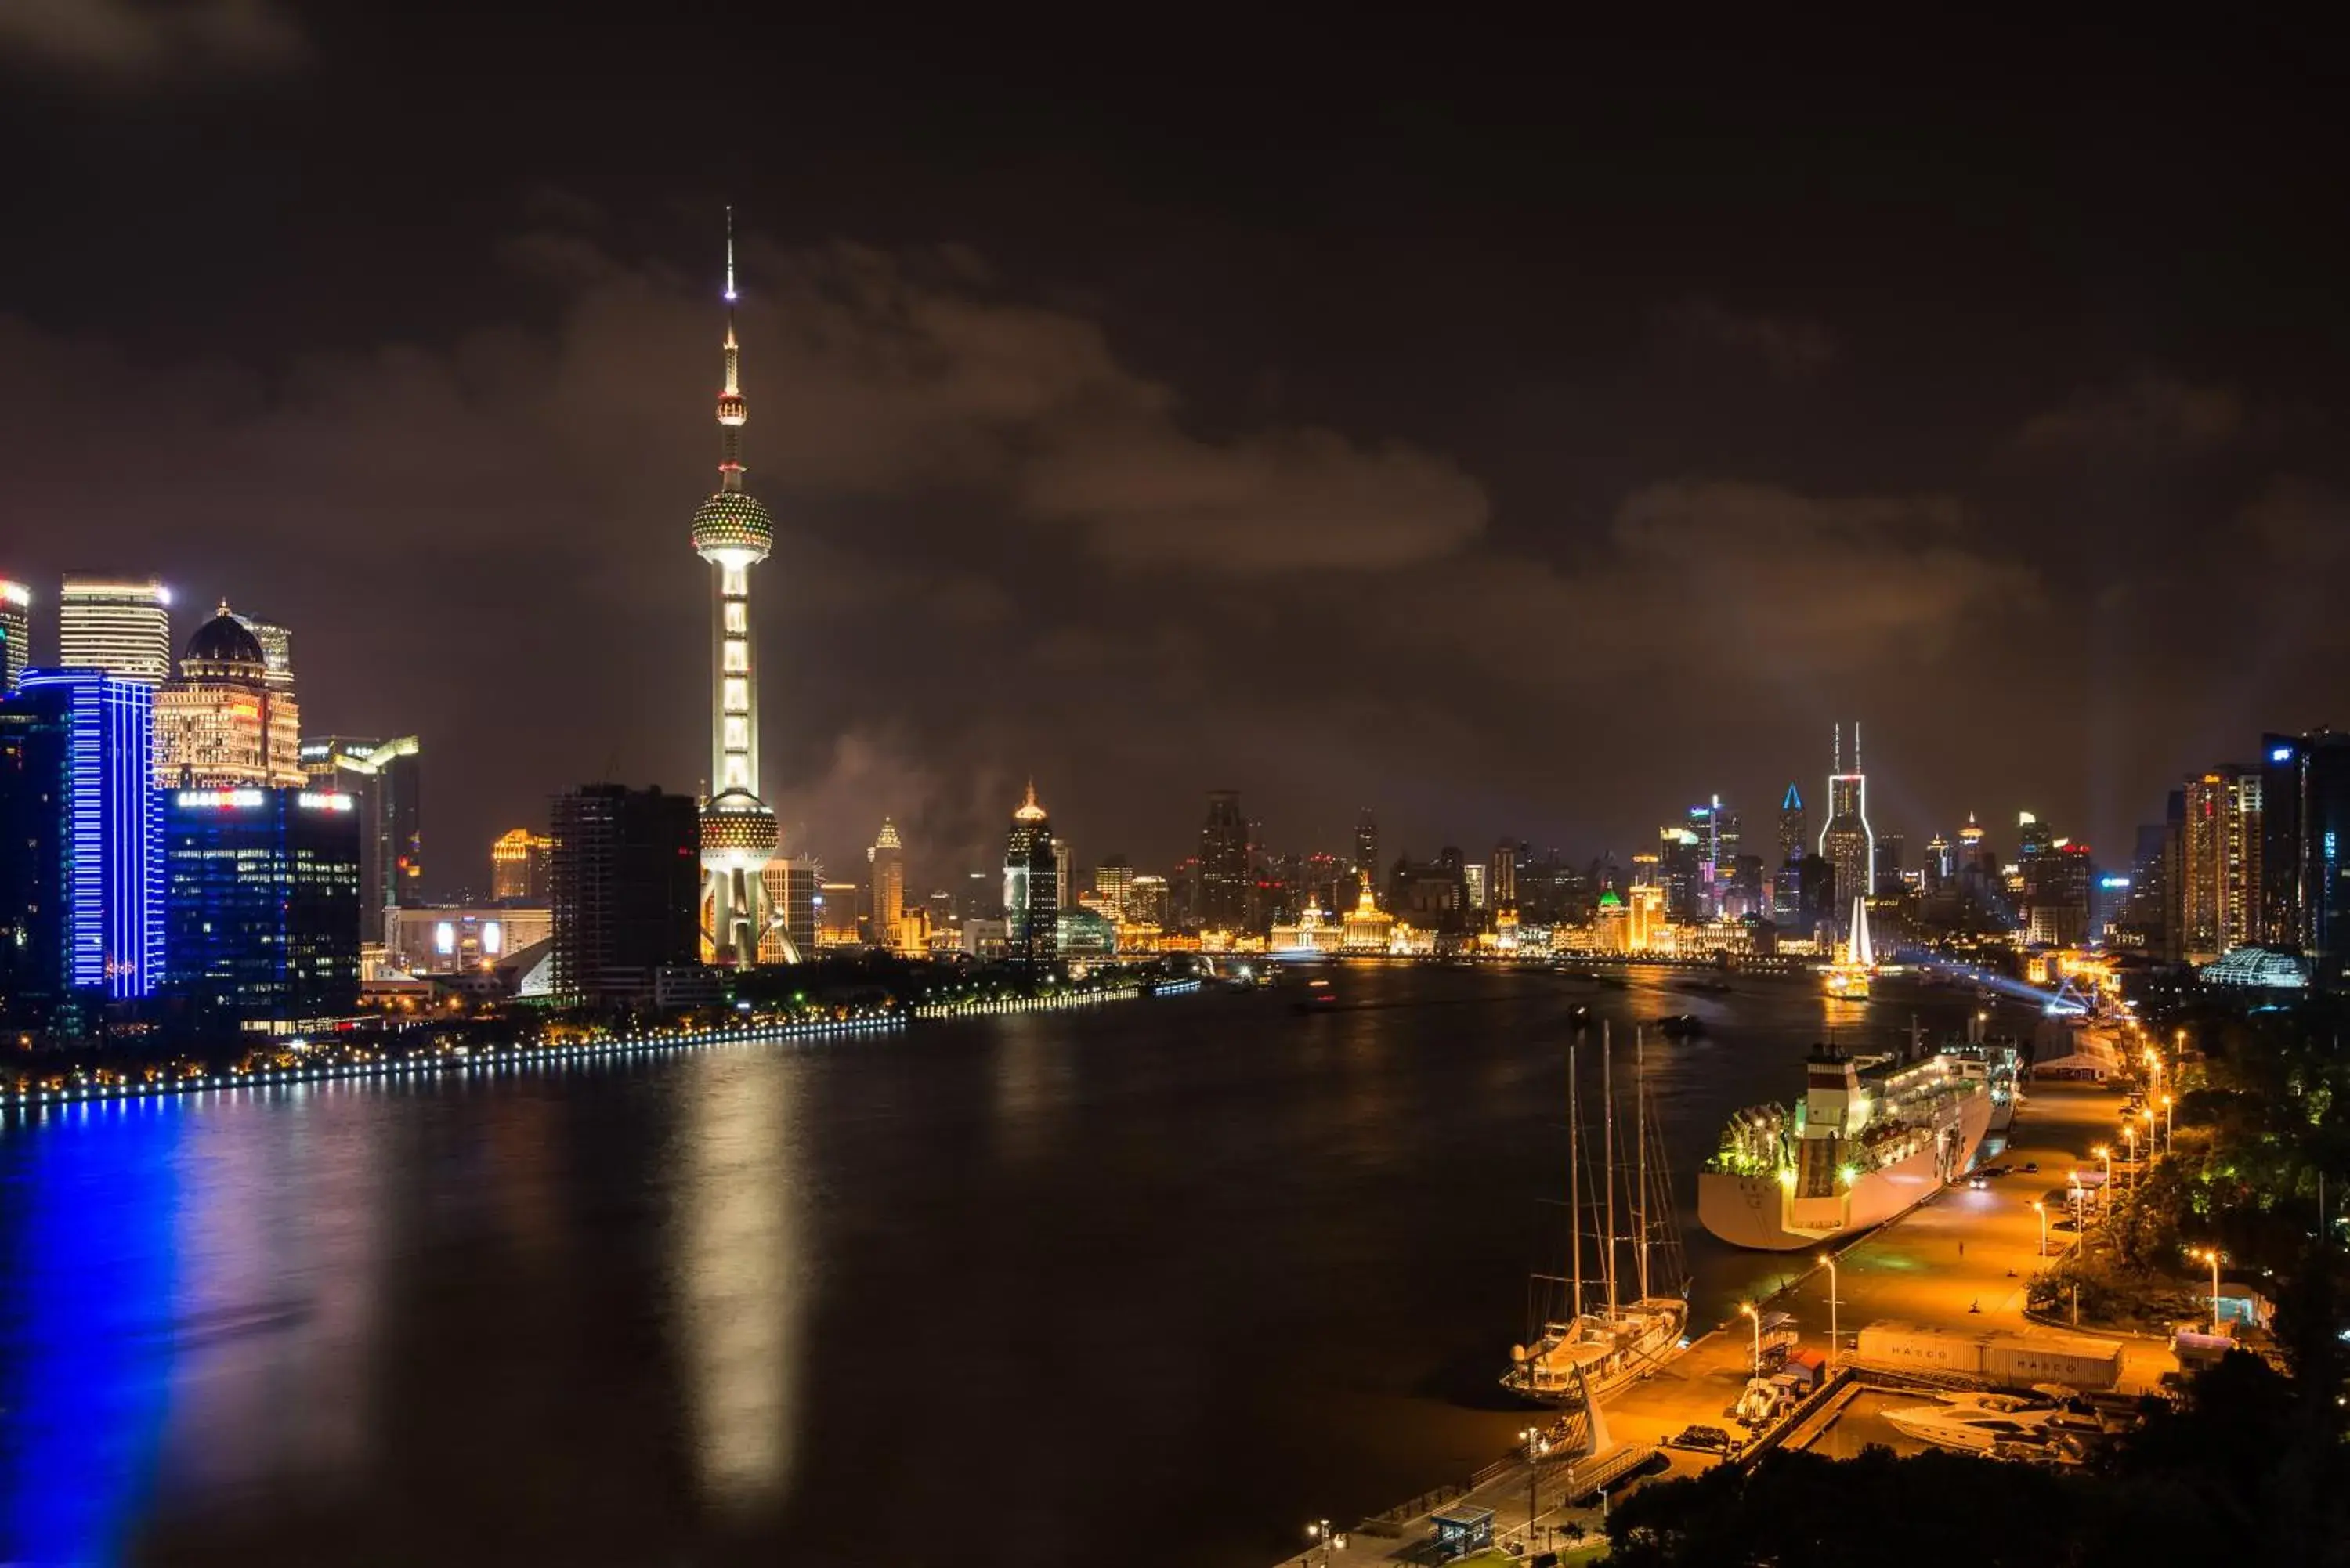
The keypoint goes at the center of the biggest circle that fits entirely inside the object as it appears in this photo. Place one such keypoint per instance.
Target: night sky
(1519, 433)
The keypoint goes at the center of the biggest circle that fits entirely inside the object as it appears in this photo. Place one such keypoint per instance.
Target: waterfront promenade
(1960, 1260)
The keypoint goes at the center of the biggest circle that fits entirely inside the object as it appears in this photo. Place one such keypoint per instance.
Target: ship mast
(1640, 1135)
(1575, 1183)
(1608, 1156)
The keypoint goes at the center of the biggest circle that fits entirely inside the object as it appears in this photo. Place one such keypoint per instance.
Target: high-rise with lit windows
(1032, 887)
(739, 834)
(114, 826)
(225, 722)
(123, 628)
(16, 633)
(1849, 843)
(518, 867)
(886, 859)
(2222, 848)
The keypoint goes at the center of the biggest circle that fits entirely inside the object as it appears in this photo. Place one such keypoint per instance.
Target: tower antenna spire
(732, 411)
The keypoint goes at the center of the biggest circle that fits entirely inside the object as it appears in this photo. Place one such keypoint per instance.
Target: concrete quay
(1962, 1261)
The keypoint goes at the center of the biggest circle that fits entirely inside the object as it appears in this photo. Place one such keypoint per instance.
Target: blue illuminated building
(112, 830)
(2305, 860)
(264, 900)
(35, 751)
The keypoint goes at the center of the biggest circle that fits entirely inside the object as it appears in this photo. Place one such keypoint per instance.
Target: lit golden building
(518, 862)
(227, 720)
(1369, 929)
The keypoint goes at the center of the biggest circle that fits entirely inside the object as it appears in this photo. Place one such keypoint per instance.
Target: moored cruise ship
(1871, 1136)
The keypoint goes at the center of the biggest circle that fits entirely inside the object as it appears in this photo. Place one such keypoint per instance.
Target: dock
(1962, 1260)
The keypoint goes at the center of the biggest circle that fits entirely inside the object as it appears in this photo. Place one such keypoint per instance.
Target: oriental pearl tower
(739, 836)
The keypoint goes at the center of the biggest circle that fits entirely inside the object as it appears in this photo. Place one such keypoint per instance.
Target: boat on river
(1871, 1137)
(1606, 1335)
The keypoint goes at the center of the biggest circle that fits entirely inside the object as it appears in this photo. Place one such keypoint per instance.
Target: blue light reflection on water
(85, 1351)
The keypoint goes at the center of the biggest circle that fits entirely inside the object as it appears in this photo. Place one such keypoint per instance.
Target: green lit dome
(732, 521)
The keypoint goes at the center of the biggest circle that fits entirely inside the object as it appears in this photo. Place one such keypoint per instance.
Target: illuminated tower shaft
(733, 533)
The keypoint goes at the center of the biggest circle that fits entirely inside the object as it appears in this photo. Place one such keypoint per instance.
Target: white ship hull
(1756, 1211)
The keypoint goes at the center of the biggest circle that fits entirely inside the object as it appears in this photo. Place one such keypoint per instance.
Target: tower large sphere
(738, 833)
(732, 524)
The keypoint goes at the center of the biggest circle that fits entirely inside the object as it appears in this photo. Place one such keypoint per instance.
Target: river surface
(1151, 1282)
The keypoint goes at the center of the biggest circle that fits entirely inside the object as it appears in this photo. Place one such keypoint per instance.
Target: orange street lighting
(1748, 1308)
(2211, 1256)
(1829, 1259)
(2041, 1209)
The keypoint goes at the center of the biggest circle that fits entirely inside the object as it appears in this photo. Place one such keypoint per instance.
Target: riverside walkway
(1960, 1260)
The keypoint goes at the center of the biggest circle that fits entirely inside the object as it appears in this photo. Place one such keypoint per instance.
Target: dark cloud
(139, 42)
(2149, 414)
(1790, 346)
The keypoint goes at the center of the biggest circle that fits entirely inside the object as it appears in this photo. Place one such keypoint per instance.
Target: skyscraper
(36, 861)
(1223, 863)
(733, 533)
(1032, 912)
(264, 895)
(887, 858)
(115, 890)
(1114, 886)
(277, 649)
(225, 722)
(2221, 851)
(624, 877)
(1787, 885)
(385, 781)
(518, 867)
(2306, 860)
(16, 633)
(1848, 841)
(122, 628)
(1367, 842)
(1502, 877)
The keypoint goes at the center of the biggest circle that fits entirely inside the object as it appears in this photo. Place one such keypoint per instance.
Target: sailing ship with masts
(1592, 1339)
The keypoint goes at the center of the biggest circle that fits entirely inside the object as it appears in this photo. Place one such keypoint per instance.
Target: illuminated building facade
(1645, 917)
(225, 722)
(1148, 903)
(626, 874)
(122, 628)
(263, 894)
(1113, 888)
(1502, 877)
(2223, 844)
(887, 860)
(518, 867)
(1032, 886)
(1223, 863)
(1368, 928)
(1366, 842)
(836, 915)
(450, 939)
(739, 836)
(386, 779)
(114, 933)
(16, 633)
(1847, 843)
(2306, 858)
(793, 884)
(36, 862)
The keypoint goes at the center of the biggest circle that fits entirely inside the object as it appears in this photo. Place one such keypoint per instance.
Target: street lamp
(2166, 1124)
(1533, 1439)
(2105, 1193)
(2130, 1137)
(2211, 1256)
(1331, 1540)
(1748, 1308)
(1829, 1259)
(2041, 1209)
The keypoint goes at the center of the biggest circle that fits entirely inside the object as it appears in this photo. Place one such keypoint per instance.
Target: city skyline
(1321, 507)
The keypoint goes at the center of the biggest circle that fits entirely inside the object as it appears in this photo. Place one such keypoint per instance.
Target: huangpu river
(1151, 1282)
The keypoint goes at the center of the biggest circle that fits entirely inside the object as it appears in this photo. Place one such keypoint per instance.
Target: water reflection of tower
(1847, 843)
(739, 836)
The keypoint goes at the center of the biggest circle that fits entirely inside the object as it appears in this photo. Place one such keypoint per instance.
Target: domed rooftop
(223, 639)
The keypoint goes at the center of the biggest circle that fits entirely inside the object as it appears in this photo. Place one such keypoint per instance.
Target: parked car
(1704, 1439)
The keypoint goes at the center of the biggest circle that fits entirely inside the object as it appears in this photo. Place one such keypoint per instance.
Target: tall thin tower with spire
(1848, 842)
(739, 836)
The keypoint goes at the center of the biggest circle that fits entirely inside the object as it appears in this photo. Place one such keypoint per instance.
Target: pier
(1962, 1260)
